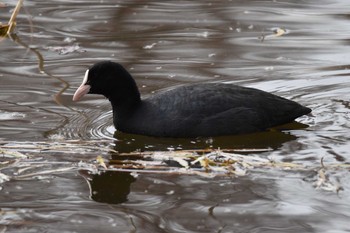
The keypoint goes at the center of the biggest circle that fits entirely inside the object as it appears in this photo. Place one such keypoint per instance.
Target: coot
(204, 109)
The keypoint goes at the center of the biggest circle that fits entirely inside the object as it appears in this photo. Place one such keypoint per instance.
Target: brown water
(165, 43)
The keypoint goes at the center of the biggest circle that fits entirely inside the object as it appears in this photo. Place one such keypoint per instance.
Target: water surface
(163, 44)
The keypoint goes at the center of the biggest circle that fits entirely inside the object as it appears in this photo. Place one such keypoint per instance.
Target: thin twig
(12, 21)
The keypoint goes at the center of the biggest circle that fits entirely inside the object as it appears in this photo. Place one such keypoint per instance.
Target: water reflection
(273, 138)
(109, 186)
(114, 186)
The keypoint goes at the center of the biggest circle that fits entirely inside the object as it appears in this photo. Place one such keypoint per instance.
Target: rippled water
(164, 44)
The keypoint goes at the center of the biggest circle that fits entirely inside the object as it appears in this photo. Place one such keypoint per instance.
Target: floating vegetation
(3, 29)
(29, 156)
(6, 29)
(276, 32)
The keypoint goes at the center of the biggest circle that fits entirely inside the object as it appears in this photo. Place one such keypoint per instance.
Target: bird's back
(211, 109)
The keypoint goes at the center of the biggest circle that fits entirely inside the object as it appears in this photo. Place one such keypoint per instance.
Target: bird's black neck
(125, 102)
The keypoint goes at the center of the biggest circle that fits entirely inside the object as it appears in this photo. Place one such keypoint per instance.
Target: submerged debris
(28, 159)
(11, 154)
(324, 182)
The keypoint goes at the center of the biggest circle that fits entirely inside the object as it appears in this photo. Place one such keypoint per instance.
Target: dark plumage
(205, 109)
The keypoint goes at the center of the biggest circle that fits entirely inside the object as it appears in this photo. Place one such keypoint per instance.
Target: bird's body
(205, 109)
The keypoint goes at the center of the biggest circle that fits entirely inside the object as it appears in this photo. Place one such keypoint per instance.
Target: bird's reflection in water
(109, 186)
(114, 186)
(272, 138)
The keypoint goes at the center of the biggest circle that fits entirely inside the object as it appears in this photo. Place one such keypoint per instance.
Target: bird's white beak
(83, 89)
